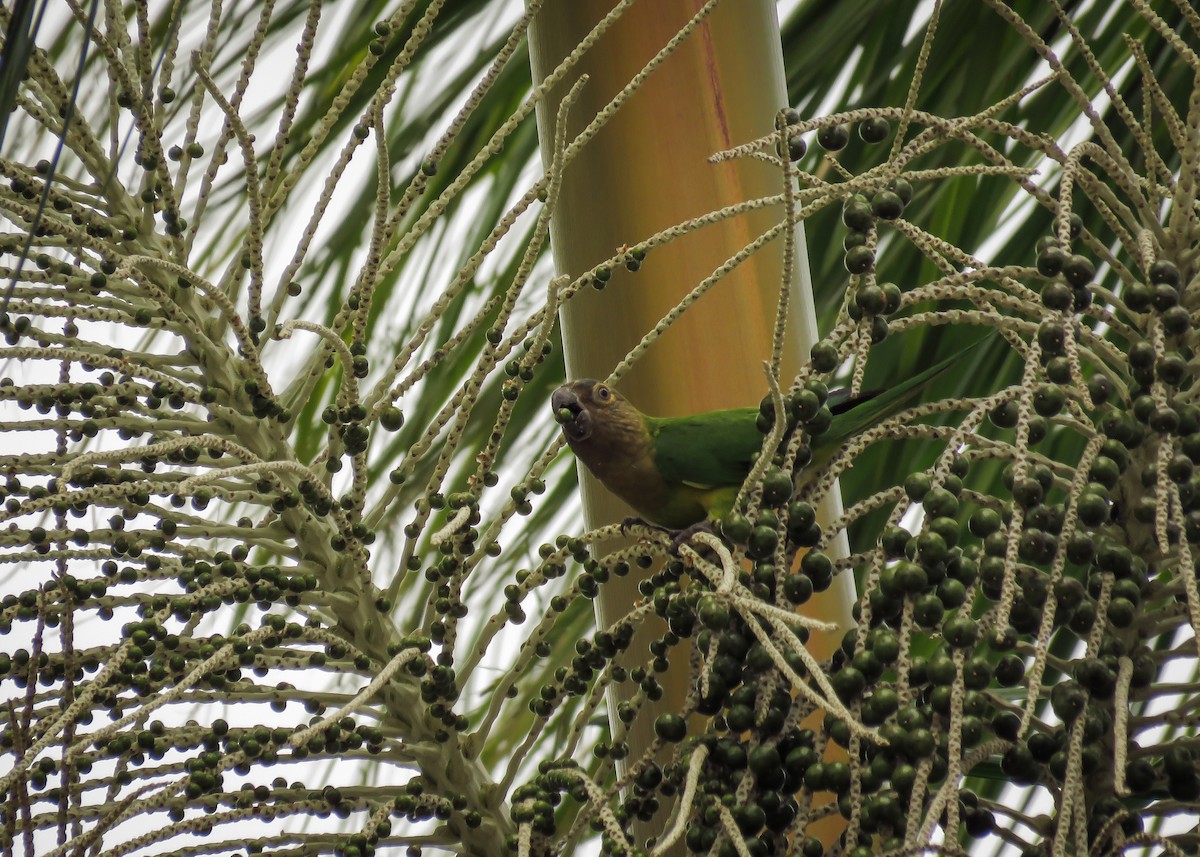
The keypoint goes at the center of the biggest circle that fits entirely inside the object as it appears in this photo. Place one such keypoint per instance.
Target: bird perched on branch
(678, 472)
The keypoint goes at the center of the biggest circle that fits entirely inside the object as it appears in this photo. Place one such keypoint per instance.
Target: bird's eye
(603, 393)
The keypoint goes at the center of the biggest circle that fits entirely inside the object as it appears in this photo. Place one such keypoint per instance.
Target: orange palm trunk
(649, 169)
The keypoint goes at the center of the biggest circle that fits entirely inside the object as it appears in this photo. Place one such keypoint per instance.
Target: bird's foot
(682, 537)
(678, 538)
(633, 521)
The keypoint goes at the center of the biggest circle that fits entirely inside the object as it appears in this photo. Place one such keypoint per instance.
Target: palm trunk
(647, 170)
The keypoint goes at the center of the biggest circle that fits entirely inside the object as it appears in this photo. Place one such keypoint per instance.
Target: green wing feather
(855, 416)
(706, 450)
(716, 448)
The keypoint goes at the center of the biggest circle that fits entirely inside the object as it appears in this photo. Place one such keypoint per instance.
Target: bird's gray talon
(683, 536)
(634, 521)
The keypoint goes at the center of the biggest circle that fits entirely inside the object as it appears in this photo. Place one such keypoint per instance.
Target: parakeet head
(592, 414)
(612, 439)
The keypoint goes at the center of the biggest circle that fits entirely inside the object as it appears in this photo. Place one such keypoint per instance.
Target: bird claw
(634, 521)
(678, 537)
(682, 537)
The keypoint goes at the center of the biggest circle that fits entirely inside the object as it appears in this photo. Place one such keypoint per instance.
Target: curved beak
(576, 422)
(564, 397)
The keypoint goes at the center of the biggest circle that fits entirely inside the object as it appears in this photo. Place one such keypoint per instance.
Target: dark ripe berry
(1178, 761)
(1138, 297)
(804, 405)
(1048, 518)
(713, 613)
(961, 632)
(1179, 470)
(777, 487)
(1115, 450)
(1093, 509)
(1104, 471)
(892, 296)
(1143, 376)
(1037, 429)
(1052, 336)
(1019, 765)
(1176, 321)
(894, 541)
(1010, 670)
(857, 214)
(984, 522)
(765, 762)
(833, 138)
(1141, 355)
(1043, 745)
(736, 527)
(917, 485)
(1068, 700)
(1164, 297)
(1122, 610)
(824, 356)
(1050, 260)
(766, 414)
(1037, 546)
(1048, 399)
(794, 149)
(859, 260)
(1189, 418)
(1095, 677)
(797, 588)
(1058, 370)
(884, 645)
(1140, 775)
(820, 573)
(670, 727)
(762, 542)
(1028, 492)
(1165, 420)
(1081, 549)
(1004, 415)
(928, 610)
(1058, 296)
(887, 205)
(874, 130)
(1078, 271)
(391, 418)
(797, 148)
(871, 300)
(1115, 558)
(890, 587)
(817, 565)
(1165, 272)
(1143, 407)
(1099, 389)
(879, 329)
(801, 515)
(854, 238)
(848, 682)
(903, 188)
(932, 549)
(1172, 370)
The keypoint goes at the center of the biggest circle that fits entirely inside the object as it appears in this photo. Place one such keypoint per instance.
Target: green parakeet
(679, 471)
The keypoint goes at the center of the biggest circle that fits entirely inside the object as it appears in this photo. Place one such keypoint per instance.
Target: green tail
(861, 413)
